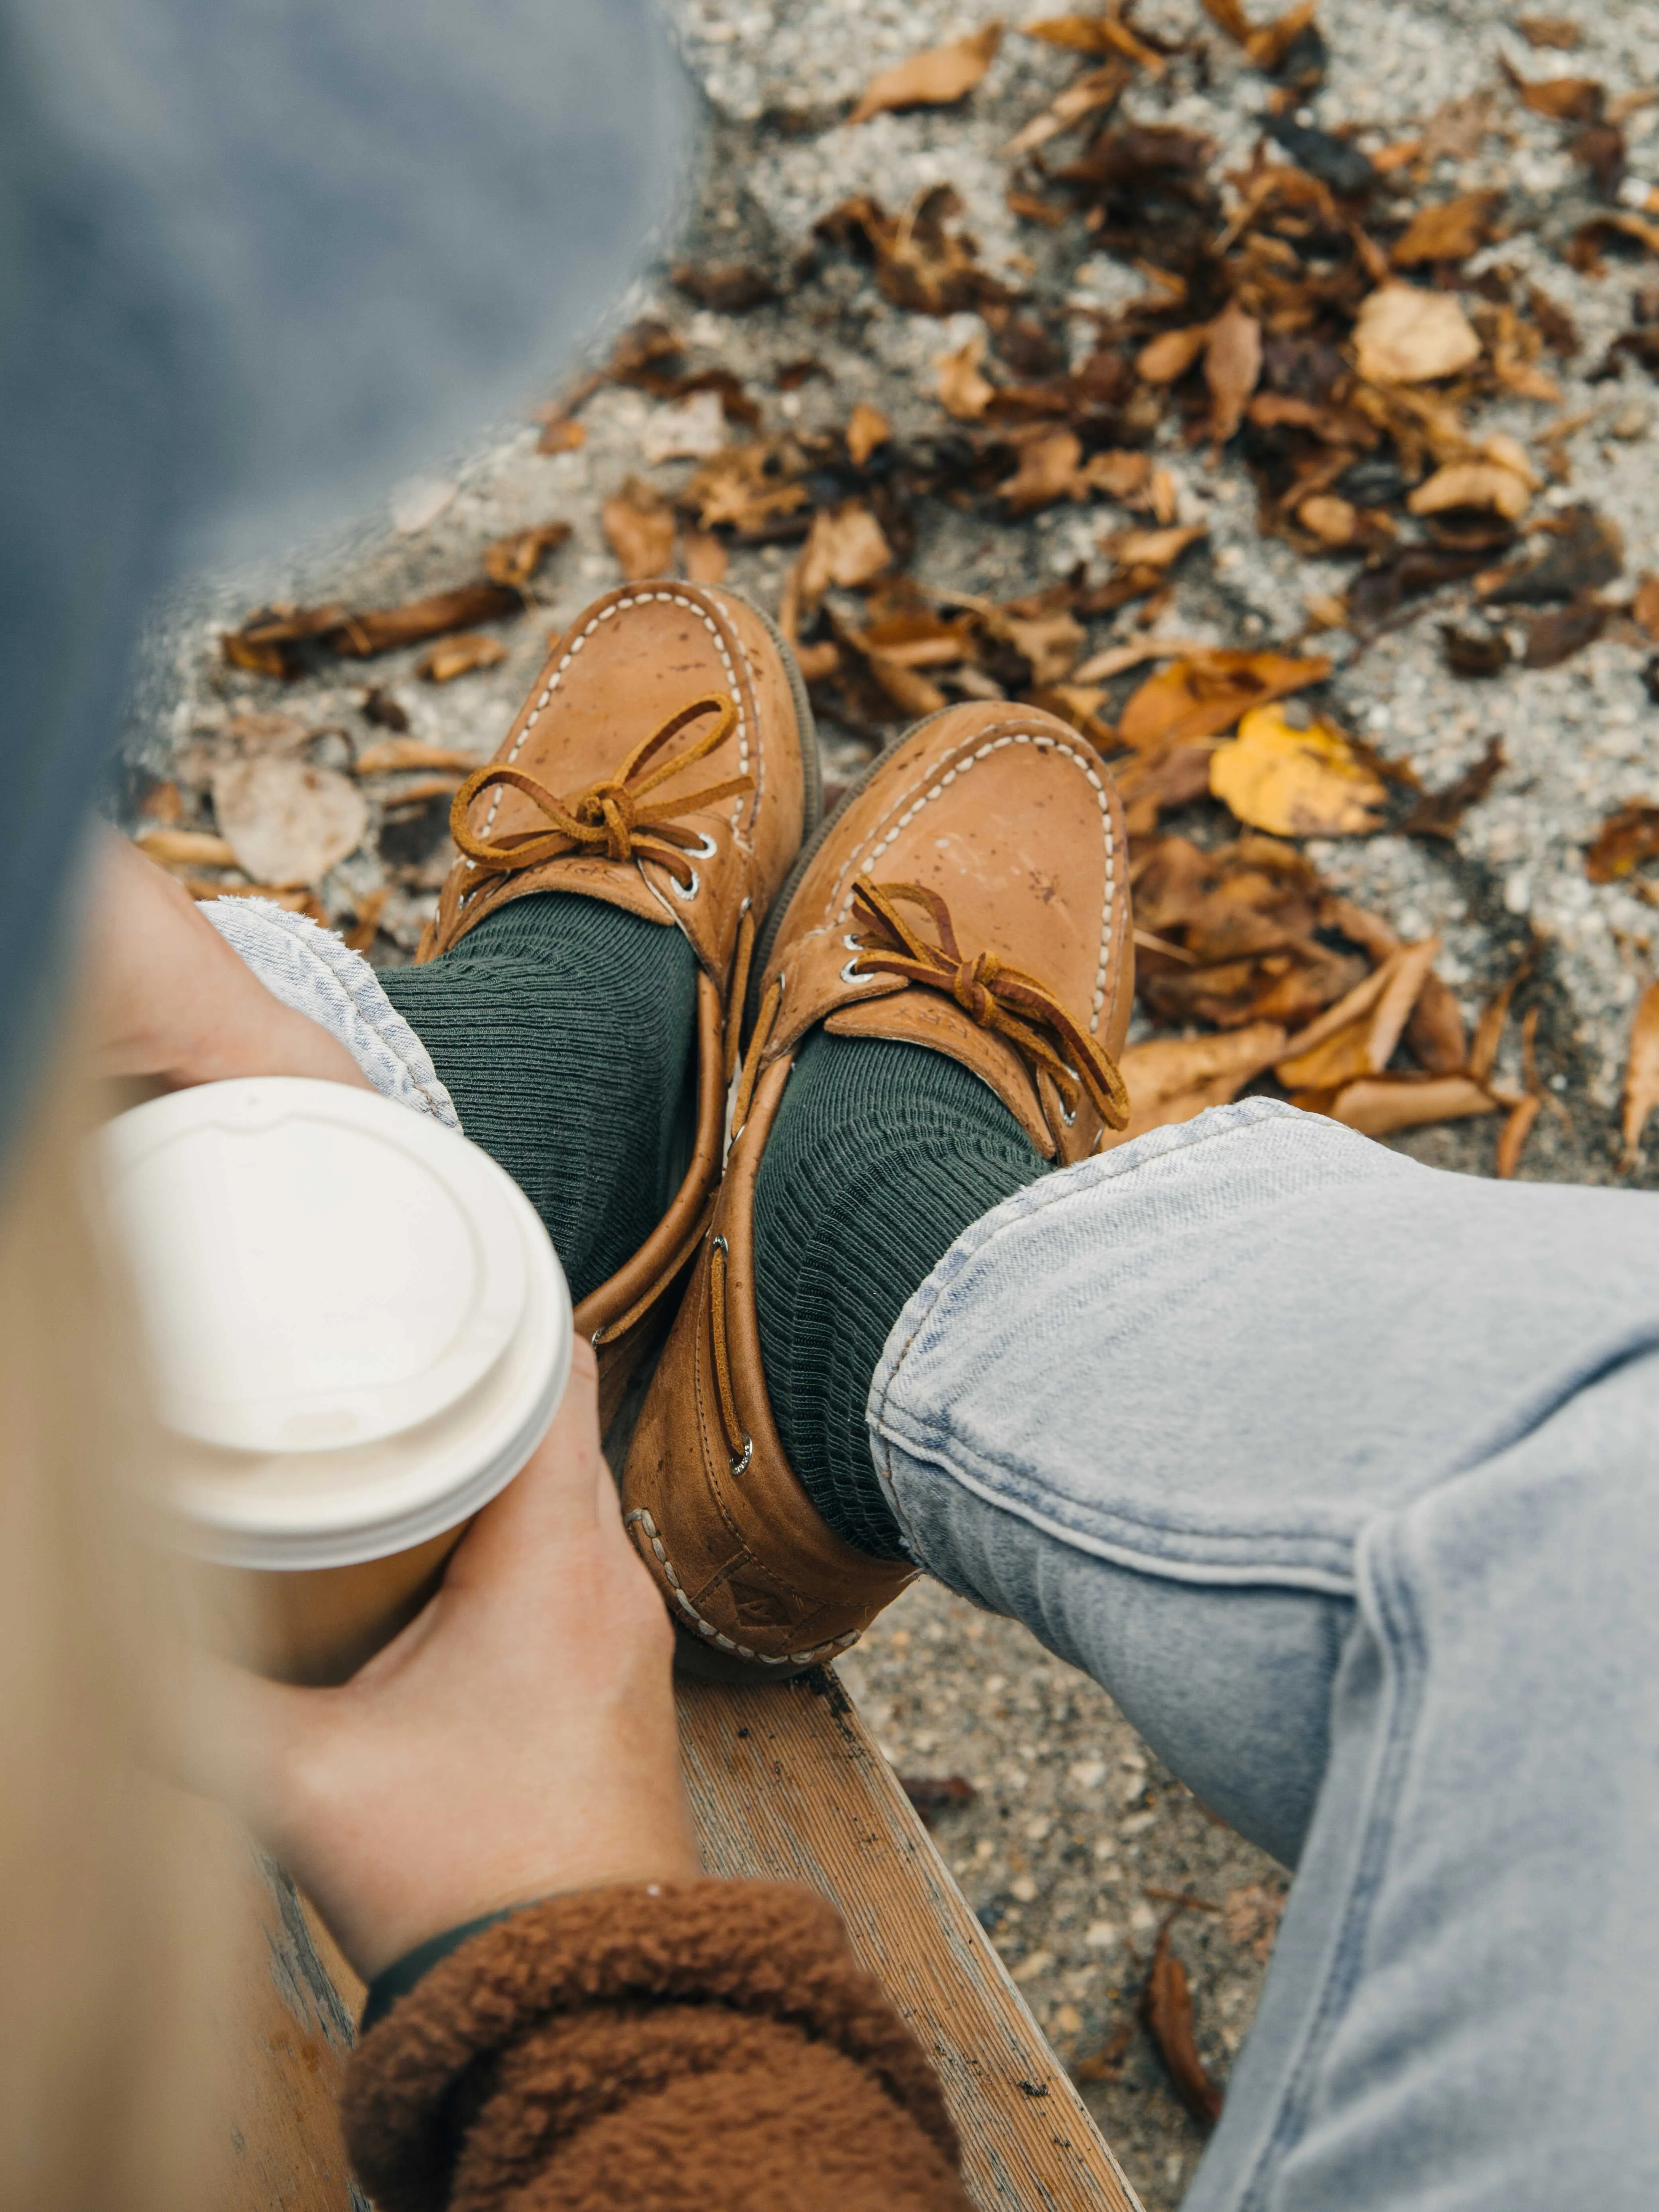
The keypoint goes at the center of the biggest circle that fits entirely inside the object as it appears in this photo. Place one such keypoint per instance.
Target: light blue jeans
(1341, 1475)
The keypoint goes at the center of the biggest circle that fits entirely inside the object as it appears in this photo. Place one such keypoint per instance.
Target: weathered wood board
(785, 1785)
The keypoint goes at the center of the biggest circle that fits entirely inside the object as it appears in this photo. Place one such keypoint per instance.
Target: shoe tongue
(917, 1015)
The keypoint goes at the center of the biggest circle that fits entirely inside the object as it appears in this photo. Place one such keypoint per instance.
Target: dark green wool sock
(563, 1029)
(881, 1156)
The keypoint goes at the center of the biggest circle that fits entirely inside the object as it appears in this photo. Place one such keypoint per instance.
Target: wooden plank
(787, 1786)
(283, 2034)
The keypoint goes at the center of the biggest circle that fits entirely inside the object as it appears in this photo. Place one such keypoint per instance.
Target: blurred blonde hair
(102, 1978)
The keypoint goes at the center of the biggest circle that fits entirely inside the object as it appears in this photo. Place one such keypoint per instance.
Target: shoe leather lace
(609, 817)
(997, 997)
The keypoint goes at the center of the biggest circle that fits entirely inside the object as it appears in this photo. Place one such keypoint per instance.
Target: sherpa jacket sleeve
(709, 2044)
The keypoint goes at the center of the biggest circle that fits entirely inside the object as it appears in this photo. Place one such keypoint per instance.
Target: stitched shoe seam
(815, 1653)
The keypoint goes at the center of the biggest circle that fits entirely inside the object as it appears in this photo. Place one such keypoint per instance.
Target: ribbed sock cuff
(881, 1155)
(563, 1029)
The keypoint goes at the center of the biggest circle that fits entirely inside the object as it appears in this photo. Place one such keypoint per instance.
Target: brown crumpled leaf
(515, 560)
(1357, 1035)
(744, 488)
(1556, 636)
(1558, 31)
(1167, 358)
(726, 288)
(1097, 35)
(385, 629)
(933, 1794)
(1378, 1105)
(1404, 335)
(1172, 1078)
(1645, 607)
(366, 926)
(638, 528)
(1439, 813)
(1517, 1127)
(962, 391)
(1167, 2009)
(1449, 231)
(379, 708)
(459, 656)
(1233, 363)
(1641, 1073)
(920, 265)
(1581, 550)
(1266, 47)
(1047, 470)
(393, 755)
(866, 428)
(1563, 99)
(1295, 782)
(703, 556)
(846, 546)
(287, 822)
(1203, 694)
(937, 78)
(1472, 484)
(1624, 840)
(1475, 653)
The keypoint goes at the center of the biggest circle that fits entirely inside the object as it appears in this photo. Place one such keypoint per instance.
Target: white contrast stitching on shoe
(605, 614)
(818, 1652)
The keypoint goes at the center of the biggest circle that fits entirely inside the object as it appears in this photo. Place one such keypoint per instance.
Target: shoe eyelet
(852, 973)
(853, 944)
(705, 848)
(1070, 1120)
(686, 891)
(741, 1466)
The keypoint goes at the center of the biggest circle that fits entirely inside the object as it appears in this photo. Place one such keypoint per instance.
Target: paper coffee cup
(359, 1332)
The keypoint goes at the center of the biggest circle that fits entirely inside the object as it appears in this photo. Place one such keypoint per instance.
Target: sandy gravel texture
(1075, 1840)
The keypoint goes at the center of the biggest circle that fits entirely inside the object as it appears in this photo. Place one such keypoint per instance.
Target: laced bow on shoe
(990, 993)
(609, 817)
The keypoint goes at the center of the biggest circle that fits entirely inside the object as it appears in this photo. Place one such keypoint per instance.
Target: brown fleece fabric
(707, 2045)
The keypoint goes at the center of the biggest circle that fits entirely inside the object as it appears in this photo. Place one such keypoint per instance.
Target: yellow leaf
(962, 391)
(1473, 484)
(1295, 783)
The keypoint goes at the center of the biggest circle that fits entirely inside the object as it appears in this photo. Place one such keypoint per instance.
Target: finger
(554, 1497)
(239, 1740)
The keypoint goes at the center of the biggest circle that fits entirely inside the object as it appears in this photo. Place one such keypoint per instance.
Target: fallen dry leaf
(287, 823)
(515, 560)
(745, 487)
(1172, 1078)
(703, 556)
(1097, 35)
(1438, 813)
(561, 434)
(1564, 99)
(1512, 1136)
(726, 288)
(846, 546)
(1047, 471)
(1251, 1916)
(638, 528)
(1450, 231)
(1583, 550)
(1050, 643)
(379, 708)
(1645, 605)
(1555, 636)
(1167, 2008)
(394, 754)
(459, 656)
(1295, 782)
(1378, 1105)
(1165, 359)
(1357, 1035)
(1641, 1072)
(1232, 362)
(1624, 841)
(1473, 484)
(288, 896)
(385, 629)
(186, 848)
(935, 79)
(1203, 694)
(1558, 31)
(363, 931)
(866, 428)
(962, 391)
(1404, 335)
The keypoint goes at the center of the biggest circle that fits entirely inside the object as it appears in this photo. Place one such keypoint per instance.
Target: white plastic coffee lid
(359, 1327)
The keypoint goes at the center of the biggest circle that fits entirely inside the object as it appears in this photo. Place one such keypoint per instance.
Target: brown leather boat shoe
(971, 896)
(665, 761)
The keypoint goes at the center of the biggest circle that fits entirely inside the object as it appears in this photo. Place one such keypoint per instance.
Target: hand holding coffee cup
(359, 1333)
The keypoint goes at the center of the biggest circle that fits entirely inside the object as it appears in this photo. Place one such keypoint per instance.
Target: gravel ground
(1075, 1840)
